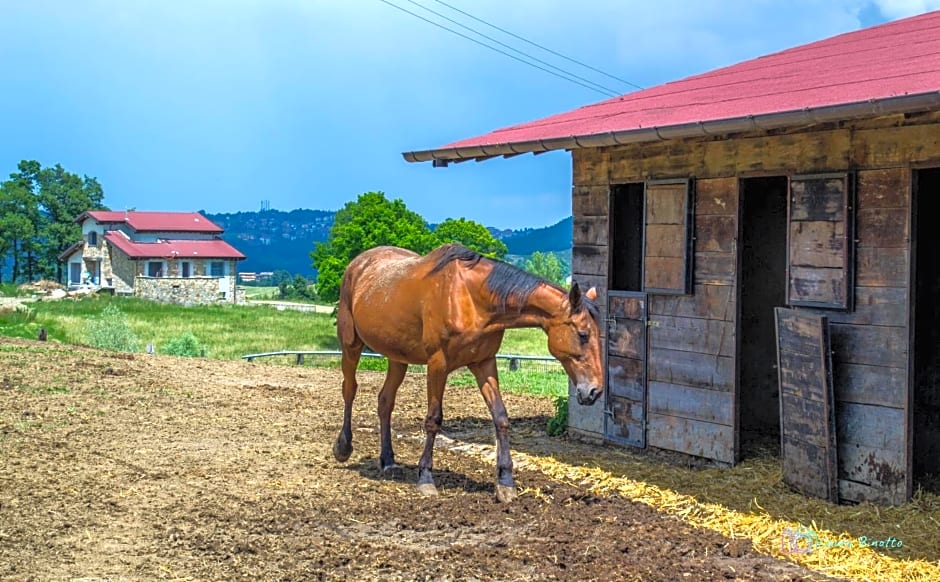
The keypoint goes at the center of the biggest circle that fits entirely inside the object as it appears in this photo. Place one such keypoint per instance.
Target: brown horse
(449, 309)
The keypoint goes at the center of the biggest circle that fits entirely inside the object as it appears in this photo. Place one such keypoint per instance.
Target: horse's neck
(543, 305)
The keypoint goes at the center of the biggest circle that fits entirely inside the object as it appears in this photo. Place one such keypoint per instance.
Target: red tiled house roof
(890, 68)
(173, 249)
(155, 221)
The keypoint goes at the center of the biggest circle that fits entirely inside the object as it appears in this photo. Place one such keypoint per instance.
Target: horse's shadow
(368, 468)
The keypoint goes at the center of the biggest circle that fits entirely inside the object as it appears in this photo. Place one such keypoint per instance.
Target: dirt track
(115, 466)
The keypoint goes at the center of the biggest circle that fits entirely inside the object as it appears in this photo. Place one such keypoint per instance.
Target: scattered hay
(41, 287)
(750, 502)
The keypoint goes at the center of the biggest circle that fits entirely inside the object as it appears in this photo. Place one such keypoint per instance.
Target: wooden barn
(762, 236)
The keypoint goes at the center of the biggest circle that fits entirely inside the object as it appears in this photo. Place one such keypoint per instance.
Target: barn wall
(692, 366)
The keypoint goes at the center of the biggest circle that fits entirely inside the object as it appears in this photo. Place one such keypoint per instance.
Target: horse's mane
(506, 282)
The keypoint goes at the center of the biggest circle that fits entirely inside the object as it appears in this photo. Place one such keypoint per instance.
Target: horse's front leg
(487, 378)
(437, 378)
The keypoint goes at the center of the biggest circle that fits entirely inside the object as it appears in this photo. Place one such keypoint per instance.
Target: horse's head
(574, 340)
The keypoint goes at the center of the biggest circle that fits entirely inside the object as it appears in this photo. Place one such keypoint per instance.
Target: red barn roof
(173, 249)
(155, 221)
(890, 68)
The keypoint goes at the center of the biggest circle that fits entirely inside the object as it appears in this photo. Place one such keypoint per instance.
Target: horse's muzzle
(588, 395)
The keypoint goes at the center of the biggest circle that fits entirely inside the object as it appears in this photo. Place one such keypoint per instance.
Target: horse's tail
(345, 325)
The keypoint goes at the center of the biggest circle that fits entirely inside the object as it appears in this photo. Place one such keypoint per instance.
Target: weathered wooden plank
(665, 240)
(805, 420)
(716, 196)
(869, 344)
(801, 374)
(714, 268)
(715, 233)
(693, 437)
(691, 369)
(817, 151)
(888, 146)
(876, 306)
(802, 463)
(883, 227)
(590, 200)
(876, 385)
(817, 199)
(705, 336)
(706, 302)
(859, 493)
(799, 332)
(692, 403)
(626, 377)
(590, 230)
(817, 244)
(883, 267)
(625, 338)
(664, 273)
(627, 422)
(817, 285)
(590, 166)
(871, 426)
(886, 188)
(666, 204)
(630, 307)
(589, 260)
(875, 475)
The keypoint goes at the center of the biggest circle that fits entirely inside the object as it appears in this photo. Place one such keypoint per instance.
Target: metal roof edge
(778, 120)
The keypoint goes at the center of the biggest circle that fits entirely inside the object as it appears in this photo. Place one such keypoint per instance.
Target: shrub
(111, 331)
(558, 424)
(185, 344)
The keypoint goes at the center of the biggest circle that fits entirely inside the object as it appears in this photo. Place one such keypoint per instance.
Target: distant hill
(275, 240)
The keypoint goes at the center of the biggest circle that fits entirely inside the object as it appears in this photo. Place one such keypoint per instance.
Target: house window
(92, 239)
(186, 269)
(217, 269)
(155, 269)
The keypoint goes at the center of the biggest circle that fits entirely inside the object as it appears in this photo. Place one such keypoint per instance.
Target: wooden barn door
(807, 416)
(625, 411)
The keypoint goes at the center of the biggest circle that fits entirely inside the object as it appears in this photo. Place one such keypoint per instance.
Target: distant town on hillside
(282, 240)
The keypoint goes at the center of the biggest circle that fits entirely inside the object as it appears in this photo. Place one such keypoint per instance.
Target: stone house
(174, 257)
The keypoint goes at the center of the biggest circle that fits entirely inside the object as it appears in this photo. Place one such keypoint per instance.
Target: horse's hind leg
(437, 378)
(352, 346)
(486, 375)
(393, 379)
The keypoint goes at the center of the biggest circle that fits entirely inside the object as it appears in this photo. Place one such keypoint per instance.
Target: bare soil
(135, 467)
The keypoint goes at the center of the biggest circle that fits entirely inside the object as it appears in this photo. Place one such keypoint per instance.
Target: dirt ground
(135, 467)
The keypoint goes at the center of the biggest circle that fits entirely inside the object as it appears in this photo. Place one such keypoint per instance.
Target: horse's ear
(574, 298)
(591, 294)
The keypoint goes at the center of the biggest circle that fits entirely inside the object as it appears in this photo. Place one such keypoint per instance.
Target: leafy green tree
(472, 235)
(372, 220)
(546, 266)
(38, 207)
(62, 196)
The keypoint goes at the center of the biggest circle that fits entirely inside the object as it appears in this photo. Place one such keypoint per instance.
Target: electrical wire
(513, 49)
(546, 49)
(512, 56)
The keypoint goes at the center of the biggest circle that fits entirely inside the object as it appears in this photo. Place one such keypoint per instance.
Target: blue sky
(219, 104)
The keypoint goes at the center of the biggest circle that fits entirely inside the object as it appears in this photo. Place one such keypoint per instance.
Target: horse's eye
(583, 336)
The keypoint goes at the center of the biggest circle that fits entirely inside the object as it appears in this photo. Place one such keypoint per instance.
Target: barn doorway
(762, 268)
(926, 332)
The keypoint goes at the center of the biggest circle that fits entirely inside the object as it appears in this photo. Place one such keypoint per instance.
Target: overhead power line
(604, 92)
(535, 44)
(613, 92)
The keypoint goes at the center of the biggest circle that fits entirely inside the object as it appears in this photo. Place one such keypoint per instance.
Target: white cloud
(894, 9)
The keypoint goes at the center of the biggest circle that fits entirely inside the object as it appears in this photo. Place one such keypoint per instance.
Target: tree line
(374, 220)
(38, 208)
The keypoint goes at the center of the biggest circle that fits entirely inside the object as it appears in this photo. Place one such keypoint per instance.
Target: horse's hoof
(505, 493)
(342, 450)
(427, 489)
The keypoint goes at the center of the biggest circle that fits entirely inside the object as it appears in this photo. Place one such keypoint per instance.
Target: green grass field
(232, 331)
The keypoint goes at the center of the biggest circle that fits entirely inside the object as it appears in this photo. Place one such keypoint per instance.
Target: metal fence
(331, 358)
